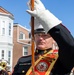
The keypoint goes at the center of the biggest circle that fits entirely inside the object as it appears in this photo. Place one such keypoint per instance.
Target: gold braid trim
(51, 66)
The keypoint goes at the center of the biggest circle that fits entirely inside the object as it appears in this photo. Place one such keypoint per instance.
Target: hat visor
(40, 30)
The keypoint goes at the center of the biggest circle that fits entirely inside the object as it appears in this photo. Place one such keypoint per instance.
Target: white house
(6, 36)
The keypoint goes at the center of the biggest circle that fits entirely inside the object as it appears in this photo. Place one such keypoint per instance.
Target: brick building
(21, 40)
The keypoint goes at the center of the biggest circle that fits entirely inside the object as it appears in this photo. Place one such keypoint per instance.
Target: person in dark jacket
(44, 44)
(65, 41)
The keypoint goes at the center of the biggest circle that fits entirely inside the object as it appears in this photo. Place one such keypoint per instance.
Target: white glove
(37, 5)
(37, 24)
(45, 17)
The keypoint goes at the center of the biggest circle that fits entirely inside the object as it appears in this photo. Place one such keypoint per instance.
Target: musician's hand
(38, 5)
(45, 17)
(37, 24)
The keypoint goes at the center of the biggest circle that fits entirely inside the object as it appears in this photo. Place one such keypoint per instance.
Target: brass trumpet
(3, 65)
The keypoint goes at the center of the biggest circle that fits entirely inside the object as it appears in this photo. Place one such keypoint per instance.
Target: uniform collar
(41, 52)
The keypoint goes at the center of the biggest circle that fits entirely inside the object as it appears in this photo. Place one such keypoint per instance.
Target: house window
(29, 35)
(2, 54)
(25, 51)
(3, 31)
(9, 56)
(9, 28)
(3, 28)
(22, 35)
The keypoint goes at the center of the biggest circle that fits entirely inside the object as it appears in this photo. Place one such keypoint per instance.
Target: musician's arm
(65, 42)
